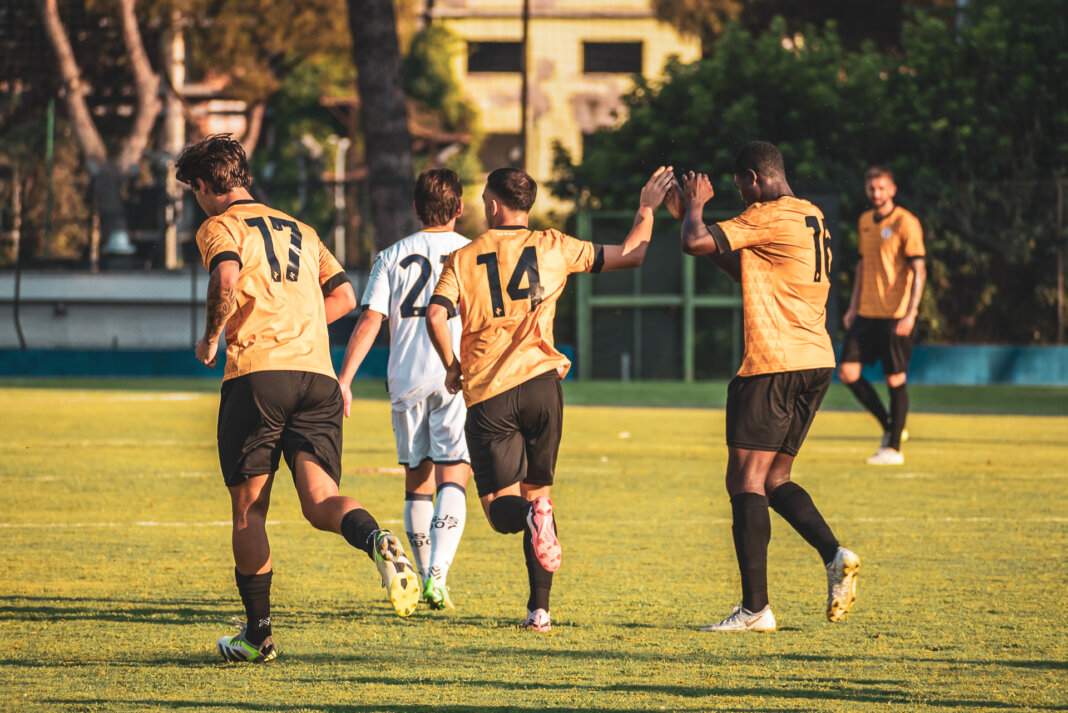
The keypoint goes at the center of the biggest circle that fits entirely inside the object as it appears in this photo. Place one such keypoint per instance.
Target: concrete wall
(137, 310)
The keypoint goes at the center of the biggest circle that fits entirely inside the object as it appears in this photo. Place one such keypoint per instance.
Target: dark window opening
(612, 57)
(494, 56)
(500, 151)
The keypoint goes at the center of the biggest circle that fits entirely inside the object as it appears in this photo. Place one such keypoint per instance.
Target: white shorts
(432, 429)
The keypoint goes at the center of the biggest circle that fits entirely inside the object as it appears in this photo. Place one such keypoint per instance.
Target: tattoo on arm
(221, 301)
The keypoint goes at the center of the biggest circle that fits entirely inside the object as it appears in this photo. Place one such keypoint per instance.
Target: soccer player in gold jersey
(882, 311)
(779, 249)
(504, 286)
(274, 286)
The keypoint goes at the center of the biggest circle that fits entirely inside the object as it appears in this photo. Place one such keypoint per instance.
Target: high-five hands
(657, 187)
(696, 189)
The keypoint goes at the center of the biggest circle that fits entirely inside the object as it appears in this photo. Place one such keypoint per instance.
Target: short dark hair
(218, 160)
(878, 170)
(762, 158)
(438, 194)
(515, 188)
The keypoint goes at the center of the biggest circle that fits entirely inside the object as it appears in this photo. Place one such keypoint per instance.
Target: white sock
(450, 515)
(418, 511)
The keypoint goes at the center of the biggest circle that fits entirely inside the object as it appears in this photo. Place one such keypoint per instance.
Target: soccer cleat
(886, 437)
(398, 576)
(841, 583)
(741, 619)
(537, 620)
(238, 648)
(886, 456)
(436, 595)
(543, 533)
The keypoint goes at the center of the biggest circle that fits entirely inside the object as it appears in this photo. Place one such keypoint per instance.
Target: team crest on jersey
(885, 233)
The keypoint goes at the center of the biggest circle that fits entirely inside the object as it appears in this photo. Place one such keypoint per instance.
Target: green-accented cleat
(398, 576)
(436, 595)
(237, 648)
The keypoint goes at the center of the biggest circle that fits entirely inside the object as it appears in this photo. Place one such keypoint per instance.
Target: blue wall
(931, 364)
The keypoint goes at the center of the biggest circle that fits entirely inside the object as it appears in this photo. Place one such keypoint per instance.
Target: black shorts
(872, 340)
(772, 412)
(515, 436)
(267, 414)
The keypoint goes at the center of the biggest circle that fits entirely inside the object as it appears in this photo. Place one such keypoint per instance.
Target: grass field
(117, 578)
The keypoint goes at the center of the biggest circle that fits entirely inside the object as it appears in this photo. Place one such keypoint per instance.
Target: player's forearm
(637, 240)
(221, 300)
(437, 326)
(696, 240)
(339, 302)
(919, 278)
(631, 252)
(363, 336)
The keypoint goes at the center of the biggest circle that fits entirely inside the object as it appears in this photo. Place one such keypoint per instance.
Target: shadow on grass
(356, 708)
(49, 609)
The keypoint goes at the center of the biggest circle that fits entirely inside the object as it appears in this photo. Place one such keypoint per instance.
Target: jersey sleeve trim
(720, 237)
(598, 260)
(334, 282)
(223, 257)
(921, 256)
(445, 302)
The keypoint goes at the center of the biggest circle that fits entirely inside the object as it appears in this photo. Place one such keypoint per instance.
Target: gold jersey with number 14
(504, 286)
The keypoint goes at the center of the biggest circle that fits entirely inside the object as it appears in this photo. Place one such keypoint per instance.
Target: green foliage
(970, 116)
(429, 76)
(118, 577)
(289, 166)
(429, 79)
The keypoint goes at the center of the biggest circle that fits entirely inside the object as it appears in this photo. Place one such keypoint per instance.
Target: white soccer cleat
(886, 456)
(537, 620)
(841, 583)
(238, 649)
(741, 619)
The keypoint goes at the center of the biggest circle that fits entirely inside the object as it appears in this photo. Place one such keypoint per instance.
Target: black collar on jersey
(875, 215)
(512, 227)
(241, 201)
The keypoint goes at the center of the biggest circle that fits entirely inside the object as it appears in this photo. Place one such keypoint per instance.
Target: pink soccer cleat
(543, 532)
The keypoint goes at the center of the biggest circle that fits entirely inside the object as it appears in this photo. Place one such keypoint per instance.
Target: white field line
(218, 523)
(711, 521)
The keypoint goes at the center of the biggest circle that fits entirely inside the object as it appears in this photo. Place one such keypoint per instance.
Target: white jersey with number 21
(401, 283)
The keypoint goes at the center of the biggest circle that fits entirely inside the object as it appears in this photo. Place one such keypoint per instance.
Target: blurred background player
(428, 421)
(882, 310)
(785, 372)
(275, 287)
(504, 286)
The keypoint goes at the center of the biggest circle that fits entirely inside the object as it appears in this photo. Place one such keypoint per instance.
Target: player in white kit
(428, 421)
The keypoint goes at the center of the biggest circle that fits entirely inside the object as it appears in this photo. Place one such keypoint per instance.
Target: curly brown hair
(218, 160)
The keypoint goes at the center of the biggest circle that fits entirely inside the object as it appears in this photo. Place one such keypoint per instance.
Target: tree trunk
(384, 117)
(108, 175)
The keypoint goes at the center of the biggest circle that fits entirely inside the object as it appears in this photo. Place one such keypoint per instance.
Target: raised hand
(657, 187)
(673, 201)
(696, 188)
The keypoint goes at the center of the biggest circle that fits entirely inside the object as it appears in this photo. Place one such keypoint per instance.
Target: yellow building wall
(564, 102)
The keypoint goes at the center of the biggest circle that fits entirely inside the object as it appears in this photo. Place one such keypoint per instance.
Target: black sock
(752, 531)
(899, 409)
(541, 581)
(870, 400)
(255, 590)
(508, 513)
(796, 507)
(358, 528)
